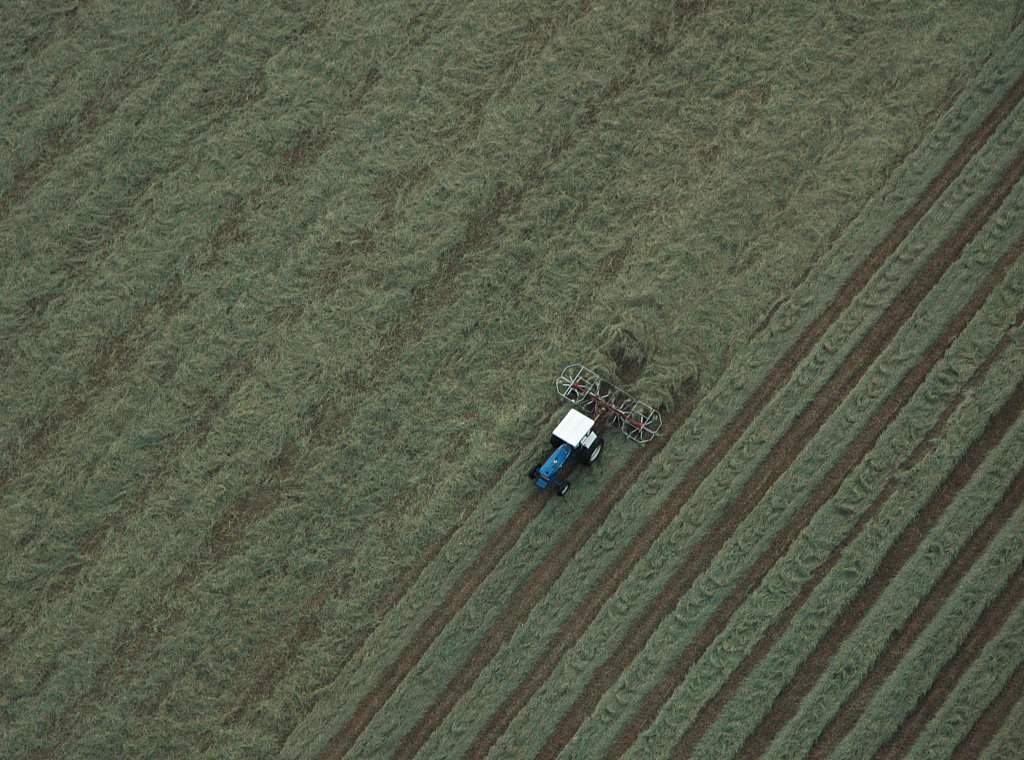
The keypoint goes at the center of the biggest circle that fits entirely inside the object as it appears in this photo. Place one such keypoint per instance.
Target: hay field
(285, 290)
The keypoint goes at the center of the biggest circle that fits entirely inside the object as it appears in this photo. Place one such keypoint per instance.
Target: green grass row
(514, 654)
(946, 633)
(958, 286)
(704, 595)
(786, 579)
(974, 692)
(896, 603)
(858, 561)
(716, 493)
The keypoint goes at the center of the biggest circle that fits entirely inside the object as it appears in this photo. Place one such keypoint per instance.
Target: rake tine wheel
(576, 383)
(638, 421)
(643, 423)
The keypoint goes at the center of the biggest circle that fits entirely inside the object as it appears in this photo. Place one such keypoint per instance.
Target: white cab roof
(573, 428)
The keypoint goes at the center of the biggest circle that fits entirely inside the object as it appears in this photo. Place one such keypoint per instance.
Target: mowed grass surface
(285, 291)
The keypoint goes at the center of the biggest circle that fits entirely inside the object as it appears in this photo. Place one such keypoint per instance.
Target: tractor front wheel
(533, 473)
(563, 489)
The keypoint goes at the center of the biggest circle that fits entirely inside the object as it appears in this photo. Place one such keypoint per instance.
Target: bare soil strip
(992, 719)
(707, 716)
(792, 443)
(499, 544)
(534, 589)
(788, 700)
(903, 639)
(821, 494)
(990, 622)
(574, 626)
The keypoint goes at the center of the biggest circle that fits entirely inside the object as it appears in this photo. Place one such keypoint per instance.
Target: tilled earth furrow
(988, 625)
(783, 455)
(788, 700)
(822, 493)
(573, 627)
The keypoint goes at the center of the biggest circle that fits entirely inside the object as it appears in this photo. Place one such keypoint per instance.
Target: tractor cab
(573, 438)
(575, 429)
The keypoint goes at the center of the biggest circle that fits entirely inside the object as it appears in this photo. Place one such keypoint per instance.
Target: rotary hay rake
(607, 403)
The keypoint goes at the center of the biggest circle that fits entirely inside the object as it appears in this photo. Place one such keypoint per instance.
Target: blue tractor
(573, 439)
(576, 438)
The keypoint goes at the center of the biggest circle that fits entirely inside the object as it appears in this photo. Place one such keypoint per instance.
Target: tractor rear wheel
(590, 455)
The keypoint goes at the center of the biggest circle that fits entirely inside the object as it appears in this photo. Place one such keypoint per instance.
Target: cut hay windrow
(990, 590)
(400, 667)
(783, 453)
(822, 493)
(770, 621)
(899, 645)
(772, 664)
(842, 621)
(973, 691)
(1003, 719)
(759, 614)
(992, 620)
(477, 749)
